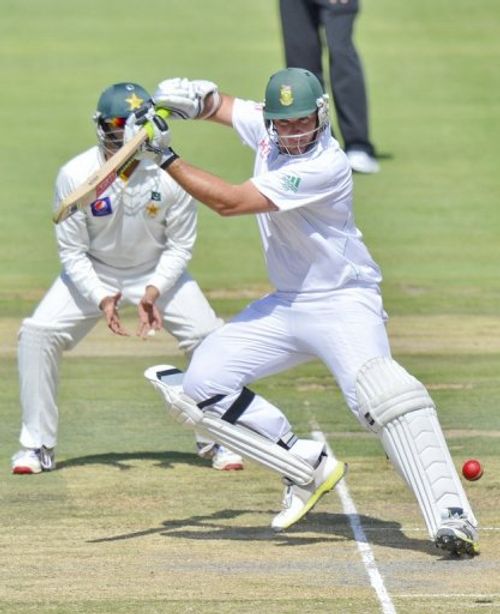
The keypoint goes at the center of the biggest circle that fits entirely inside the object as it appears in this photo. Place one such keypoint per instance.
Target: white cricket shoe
(298, 500)
(362, 162)
(456, 534)
(29, 460)
(225, 460)
(222, 459)
(206, 449)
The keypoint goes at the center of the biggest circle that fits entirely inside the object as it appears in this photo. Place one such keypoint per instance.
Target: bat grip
(161, 112)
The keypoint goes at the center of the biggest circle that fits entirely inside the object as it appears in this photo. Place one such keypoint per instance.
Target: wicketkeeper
(131, 246)
(326, 304)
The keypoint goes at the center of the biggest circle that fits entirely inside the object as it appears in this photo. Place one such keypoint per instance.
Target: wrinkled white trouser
(64, 317)
(344, 330)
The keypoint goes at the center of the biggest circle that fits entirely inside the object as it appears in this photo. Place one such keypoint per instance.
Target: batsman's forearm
(212, 191)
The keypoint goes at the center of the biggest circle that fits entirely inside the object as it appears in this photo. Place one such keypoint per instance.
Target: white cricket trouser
(64, 317)
(344, 330)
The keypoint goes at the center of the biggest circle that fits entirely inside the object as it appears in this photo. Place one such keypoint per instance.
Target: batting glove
(157, 147)
(185, 99)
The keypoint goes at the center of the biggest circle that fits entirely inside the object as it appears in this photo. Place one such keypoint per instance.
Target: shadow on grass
(121, 460)
(315, 528)
(321, 527)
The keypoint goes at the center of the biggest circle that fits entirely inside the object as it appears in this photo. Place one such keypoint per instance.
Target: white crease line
(366, 552)
(448, 596)
(417, 529)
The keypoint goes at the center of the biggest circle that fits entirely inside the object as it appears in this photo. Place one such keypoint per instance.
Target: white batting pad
(399, 409)
(416, 446)
(168, 381)
(258, 448)
(39, 353)
(385, 390)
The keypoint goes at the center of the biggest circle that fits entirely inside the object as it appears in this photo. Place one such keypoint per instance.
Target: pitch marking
(366, 552)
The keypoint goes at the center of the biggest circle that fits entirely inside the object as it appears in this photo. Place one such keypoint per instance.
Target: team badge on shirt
(290, 183)
(286, 96)
(152, 209)
(101, 207)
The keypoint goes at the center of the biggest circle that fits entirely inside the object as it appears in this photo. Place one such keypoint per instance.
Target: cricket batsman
(326, 305)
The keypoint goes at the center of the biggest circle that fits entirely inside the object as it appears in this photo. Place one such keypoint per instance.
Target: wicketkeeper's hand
(109, 307)
(186, 99)
(149, 315)
(157, 146)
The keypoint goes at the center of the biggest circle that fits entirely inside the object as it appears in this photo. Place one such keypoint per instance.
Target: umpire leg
(347, 81)
(301, 39)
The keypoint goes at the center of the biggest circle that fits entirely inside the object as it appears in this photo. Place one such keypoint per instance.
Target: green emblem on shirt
(290, 183)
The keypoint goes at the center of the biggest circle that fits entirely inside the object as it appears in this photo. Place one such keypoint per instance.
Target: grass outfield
(132, 521)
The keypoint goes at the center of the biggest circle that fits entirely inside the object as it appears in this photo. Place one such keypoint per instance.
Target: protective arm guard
(168, 381)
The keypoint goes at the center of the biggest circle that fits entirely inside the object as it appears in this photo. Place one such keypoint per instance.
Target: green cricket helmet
(293, 93)
(114, 106)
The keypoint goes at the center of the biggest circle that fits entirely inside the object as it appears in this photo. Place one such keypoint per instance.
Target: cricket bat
(99, 182)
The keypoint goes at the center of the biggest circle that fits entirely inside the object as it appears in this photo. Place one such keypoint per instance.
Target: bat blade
(100, 181)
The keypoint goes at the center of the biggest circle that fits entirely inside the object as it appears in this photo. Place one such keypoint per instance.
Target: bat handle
(163, 113)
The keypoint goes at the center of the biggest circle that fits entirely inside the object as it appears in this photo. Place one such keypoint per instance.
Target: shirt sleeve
(309, 181)
(73, 246)
(248, 122)
(180, 237)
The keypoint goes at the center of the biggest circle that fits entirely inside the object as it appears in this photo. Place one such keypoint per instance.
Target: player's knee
(385, 391)
(206, 377)
(34, 333)
(231, 401)
(201, 382)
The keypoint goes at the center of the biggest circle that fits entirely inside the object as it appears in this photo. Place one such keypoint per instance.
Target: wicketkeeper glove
(186, 99)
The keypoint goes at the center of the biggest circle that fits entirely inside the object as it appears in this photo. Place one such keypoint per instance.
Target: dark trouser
(301, 21)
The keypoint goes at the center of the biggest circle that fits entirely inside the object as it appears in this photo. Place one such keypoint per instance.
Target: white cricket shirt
(147, 223)
(311, 244)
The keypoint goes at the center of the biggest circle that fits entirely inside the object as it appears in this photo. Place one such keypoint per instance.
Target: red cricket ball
(472, 470)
